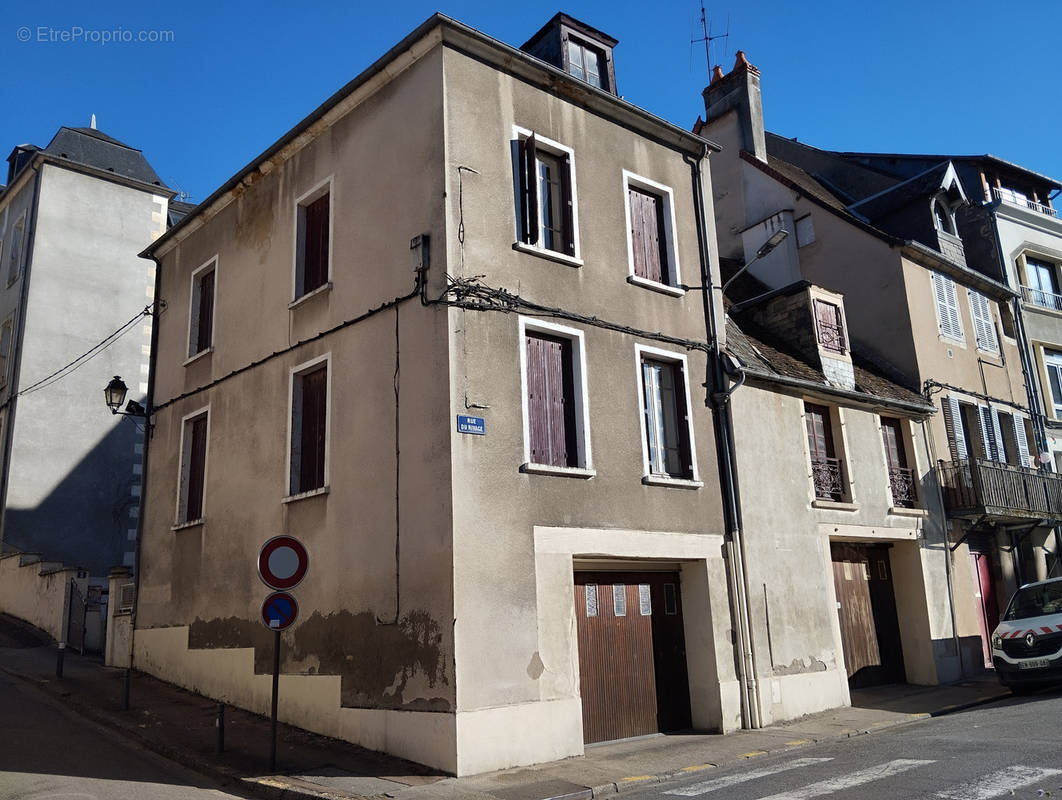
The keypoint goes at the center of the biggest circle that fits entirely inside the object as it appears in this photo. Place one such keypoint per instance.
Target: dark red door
(632, 657)
(985, 599)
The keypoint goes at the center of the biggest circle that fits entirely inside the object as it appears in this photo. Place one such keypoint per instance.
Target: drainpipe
(717, 397)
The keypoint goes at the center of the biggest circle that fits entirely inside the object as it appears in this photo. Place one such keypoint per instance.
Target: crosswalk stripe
(998, 783)
(848, 781)
(732, 780)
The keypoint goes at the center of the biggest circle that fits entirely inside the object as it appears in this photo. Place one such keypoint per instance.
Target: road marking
(998, 783)
(843, 782)
(715, 784)
(639, 778)
(795, 742)
(697, 767)
(753, 754)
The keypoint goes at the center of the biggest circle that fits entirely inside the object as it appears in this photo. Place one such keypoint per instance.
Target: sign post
(282, 564)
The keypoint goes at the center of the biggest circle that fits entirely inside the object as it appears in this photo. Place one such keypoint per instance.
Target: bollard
(125, 688)
(59, 659)
(219, 723)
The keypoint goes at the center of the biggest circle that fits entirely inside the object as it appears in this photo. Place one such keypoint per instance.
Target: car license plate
(1033, 663)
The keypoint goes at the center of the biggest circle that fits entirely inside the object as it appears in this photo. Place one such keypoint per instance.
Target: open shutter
(988, 438)
(1022, 441)
(205, 333)
(537, 400)
(984, 327)
(569, 204)
(529, 190)
(314, 410)
(558, 436)
(947, 306)
(1001, 450)
(196, 469)
(953, 423)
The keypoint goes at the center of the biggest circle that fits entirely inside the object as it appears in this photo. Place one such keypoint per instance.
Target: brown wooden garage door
(866, 609)
(632, 654)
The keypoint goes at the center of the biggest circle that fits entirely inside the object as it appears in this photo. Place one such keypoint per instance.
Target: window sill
(322, 289)
(551, 255)
(663, 288)
(833, 505)
(192, 523)
(564, 472)
(197, 356)
(294, 498)
(677, 483)
(952, 340)
(901, 511)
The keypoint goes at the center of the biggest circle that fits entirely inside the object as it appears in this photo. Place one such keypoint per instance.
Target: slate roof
(767, 357)
(903, 194)
(93, 148)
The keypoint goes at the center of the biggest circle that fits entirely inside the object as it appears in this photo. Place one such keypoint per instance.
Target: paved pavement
(181, 726)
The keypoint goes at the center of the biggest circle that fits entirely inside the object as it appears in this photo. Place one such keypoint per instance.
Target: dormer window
(829, 327)
(584, 63)
(944, 220)
(574, 47)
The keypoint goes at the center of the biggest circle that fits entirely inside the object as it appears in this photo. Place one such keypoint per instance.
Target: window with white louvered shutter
(953, 422)
(1022, 441)
(988, 433)
(984, 327)
(948, 316)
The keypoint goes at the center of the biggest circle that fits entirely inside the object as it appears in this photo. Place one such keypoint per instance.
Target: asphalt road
(49, 753)
(1006, 749)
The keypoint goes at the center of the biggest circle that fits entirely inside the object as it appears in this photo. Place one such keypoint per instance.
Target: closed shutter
(568, 205)
(988, 435)
(1022, 441)
(947, 306)
(197, 430)
(953, 423)
(205, 327)
(528, 149)
(647, 235)
(314, 410)
(315, 259)
(895, 454)
(984, 327)
(820, 434)
(997, 428)
(551, 401)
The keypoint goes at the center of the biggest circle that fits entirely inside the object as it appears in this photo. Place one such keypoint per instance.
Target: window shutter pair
(551, 401)
(991, 434)
(530, 196)
(947, 306)
(984, 327)
(647, 235)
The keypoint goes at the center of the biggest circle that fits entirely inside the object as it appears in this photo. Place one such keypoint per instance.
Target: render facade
(73, 217)
(438, 332)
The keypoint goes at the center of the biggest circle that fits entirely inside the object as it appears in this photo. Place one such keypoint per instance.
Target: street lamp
(772, 242)
(114, 396)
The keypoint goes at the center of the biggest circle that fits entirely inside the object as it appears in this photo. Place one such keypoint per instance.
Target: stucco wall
(40, 600)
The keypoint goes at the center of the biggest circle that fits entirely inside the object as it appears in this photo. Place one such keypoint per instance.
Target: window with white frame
(983, 324)
(667, 431)
(949, 319)
(201, 309)
(6, 341)
(313, 239)
(14, 250)
(192, 483)
(1053, 367)
(555, 412)
(587, 63)
(651, 248)
(547, 217)
(308, 459)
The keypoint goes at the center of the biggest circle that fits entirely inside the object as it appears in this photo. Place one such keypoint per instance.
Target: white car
(1027, 644)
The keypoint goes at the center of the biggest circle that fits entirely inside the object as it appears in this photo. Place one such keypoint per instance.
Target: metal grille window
(645, 601)
(619, 600)
(591, 599)
(901, 477)
(829, 326)
(984, 327)
(825, 466)
(948, 317)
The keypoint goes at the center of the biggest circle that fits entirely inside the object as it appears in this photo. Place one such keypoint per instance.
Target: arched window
(943, 217)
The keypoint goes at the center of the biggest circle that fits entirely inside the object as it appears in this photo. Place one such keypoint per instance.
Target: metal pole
(59, 659)
(125, 688)
(220, 724)
(276, 691)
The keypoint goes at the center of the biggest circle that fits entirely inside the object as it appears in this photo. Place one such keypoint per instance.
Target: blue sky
(898, 75)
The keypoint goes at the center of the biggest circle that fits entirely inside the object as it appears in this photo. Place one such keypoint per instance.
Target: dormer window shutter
(529, 190)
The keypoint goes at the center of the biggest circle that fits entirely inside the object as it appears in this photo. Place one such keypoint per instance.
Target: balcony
(1019, 200)
(973, 488)
(1038, 297)
(902, 482)
(827, 478)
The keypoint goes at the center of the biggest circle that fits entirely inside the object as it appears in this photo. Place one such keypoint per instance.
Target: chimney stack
(740, 91)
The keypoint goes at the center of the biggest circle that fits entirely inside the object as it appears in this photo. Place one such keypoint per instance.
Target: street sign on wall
(473, 425)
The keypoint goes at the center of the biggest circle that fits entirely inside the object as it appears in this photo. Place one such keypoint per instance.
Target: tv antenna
(708, 37)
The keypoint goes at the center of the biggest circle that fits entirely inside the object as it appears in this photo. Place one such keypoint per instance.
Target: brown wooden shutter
(828, 323)
(315, 260)
(551, 401)
(820, 435)
(568, 203)
(647, 236)
(314, 409)
(895, 453)
(196, 469)
(528, 149)
(205, 332)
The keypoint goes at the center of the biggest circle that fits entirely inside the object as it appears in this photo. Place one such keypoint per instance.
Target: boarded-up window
(666, 422)
(308, 430)
(829, 326)
(193, 468)
(551, 401)
(984, 327)
(648, 240)
(201, 324)
(948, 316)
(314, 231)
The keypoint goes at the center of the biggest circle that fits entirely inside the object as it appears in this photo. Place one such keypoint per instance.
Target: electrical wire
(85, 357)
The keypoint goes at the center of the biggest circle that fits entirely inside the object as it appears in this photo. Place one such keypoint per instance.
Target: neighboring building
(834, 537)
(917, 309)
(464, 230)
(73, 217)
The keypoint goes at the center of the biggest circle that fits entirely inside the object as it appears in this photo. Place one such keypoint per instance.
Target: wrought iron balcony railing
(1013, 198)
(902, 480)
(828, 479)
(975, 487)
(831, 336)
(1038, 297)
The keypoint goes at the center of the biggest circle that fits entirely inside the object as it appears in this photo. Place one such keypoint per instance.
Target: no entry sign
(279, 610)
(282, 562)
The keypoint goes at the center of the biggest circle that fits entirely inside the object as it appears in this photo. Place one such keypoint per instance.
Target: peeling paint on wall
(798, 666)
(378, 664)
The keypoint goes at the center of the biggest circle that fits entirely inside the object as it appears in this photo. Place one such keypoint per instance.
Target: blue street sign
(474, 425)
(279, 610)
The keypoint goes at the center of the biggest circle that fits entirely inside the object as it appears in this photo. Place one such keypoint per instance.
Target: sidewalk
(181, 726)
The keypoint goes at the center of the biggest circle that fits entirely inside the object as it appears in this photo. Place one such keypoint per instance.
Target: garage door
(632, 654)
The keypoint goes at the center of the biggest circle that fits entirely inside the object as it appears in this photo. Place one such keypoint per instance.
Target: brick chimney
(739, 91)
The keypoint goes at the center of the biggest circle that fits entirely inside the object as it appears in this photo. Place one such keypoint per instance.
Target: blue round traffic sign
(279, 610)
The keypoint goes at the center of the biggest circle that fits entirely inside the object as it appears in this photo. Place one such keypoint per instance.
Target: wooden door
(866, 609)
(632, 659)
(985, 600)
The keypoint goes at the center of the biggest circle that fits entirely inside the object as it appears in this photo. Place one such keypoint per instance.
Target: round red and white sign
(282, 562)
